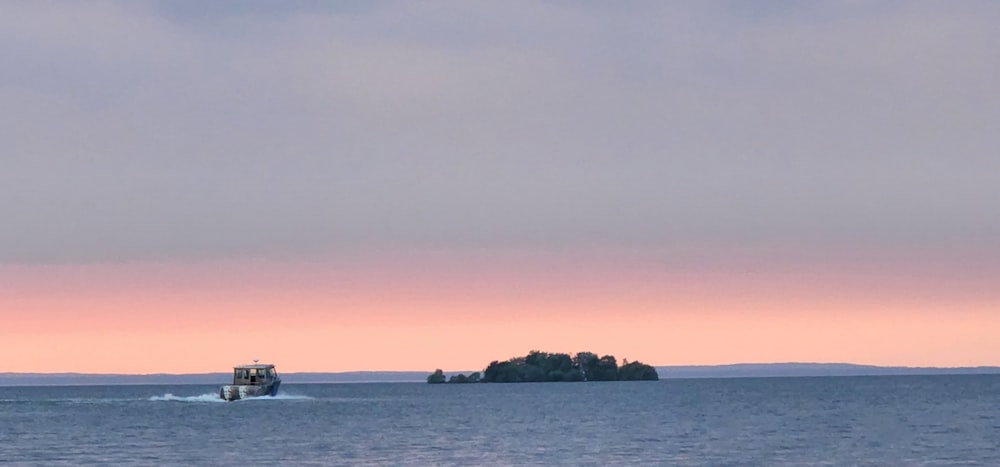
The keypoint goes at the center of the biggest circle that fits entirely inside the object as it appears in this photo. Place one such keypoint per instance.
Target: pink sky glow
(454, 311)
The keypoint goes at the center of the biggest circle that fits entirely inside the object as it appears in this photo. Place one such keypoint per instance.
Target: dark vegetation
(537, 367)
(438, 377)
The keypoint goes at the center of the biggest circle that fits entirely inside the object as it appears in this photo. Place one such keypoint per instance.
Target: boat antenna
(255, 361)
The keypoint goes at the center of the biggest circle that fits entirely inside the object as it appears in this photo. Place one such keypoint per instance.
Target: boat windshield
(252, 375)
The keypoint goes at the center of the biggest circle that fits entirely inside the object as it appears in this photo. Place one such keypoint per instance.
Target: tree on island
(636, 371)
(555, 367)
(585, 362)
(604, 369)
(436, 378)
(460, 378)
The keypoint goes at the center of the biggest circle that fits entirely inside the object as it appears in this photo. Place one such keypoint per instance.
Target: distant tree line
(537, 367)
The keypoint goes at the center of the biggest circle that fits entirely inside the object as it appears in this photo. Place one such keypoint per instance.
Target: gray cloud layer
(190, 129)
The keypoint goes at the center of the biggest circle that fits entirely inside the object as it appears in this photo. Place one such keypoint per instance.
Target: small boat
(256, 380)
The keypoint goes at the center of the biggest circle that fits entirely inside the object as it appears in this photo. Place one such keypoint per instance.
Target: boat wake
(214, 397)
(279, 397)
(210, 397)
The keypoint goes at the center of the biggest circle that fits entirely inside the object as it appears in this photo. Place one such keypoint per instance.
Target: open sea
(881, 420)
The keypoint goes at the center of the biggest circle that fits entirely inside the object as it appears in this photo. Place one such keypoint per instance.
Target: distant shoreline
(738, 370)
(770, 370)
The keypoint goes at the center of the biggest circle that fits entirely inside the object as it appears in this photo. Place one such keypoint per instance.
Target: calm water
(912, 420)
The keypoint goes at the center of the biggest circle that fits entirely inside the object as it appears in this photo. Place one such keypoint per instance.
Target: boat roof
(259, 366)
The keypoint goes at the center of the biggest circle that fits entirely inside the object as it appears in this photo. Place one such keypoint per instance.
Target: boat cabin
(254, 375)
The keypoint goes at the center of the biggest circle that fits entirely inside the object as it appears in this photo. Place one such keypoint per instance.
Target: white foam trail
(281, 397)
(213, 397)
(210, 397)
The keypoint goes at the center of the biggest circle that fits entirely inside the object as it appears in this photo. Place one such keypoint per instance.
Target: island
(539, 367)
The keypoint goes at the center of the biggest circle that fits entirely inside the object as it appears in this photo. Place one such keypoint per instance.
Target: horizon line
(719, 365)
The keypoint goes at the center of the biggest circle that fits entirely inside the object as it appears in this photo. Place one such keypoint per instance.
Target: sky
(390, 185)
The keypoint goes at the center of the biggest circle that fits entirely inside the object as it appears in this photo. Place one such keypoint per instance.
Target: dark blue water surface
(907, 420)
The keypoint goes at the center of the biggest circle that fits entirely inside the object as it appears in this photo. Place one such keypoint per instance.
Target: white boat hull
(232, 392)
